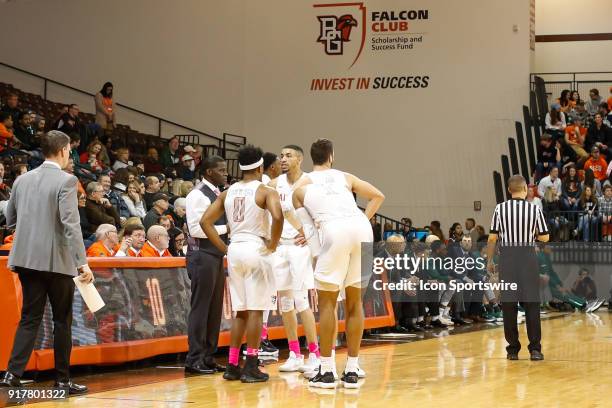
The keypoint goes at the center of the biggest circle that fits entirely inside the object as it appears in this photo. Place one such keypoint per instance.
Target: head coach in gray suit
(47, 253)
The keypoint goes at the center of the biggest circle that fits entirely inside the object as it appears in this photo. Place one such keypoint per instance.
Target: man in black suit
(206, 271)
(47, 252)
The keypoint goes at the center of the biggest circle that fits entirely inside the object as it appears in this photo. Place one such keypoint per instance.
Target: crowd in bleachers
(573, 177)
(129, 206)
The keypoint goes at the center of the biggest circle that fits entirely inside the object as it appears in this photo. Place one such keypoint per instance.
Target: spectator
(531, 197)
(177, 242)
(549, 156)
(105, 108)
(91, 157)
(134, 201)
(19, 170)
(107, 154)
(151, 162)
(579, 112)
(5, 190)
(597, 164)
(571, 189)
(555, 122)
(165, 222)
(39, 125)
(106, 240)
(70, 170)
(6, 130)
(12, 106)
(69, 122)
(455, 233)
(376, 229)
(605, 114)
(159, 205)
(574, 99)
(99, 210)
(564, 101)
(436, 230)
(388, 230)
(591, 181)
(24, 132)
(123, 159)
(114, 197)
(552, 210)
(178, 212)
(186, 171)
(406, 229)
(133, 240)
(600, 135)
(157, 243)
(185, 188)
(152, 187)
(605, 211)
(170, 156)
(481, 233)
(75, 142)
(198, 155)
(575, 138)
(588, 219)
(552, 180)
(592, 105)
(86, 228)
(610, 100)
(584, 286)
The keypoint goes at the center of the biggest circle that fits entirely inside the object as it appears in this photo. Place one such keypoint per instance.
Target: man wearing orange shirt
(575, 136)
(106, 240)
(133, 241)
(6, 129)
(597, 164)
(157, 243)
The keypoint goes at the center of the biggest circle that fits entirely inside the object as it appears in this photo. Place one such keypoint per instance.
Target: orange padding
(113, 353)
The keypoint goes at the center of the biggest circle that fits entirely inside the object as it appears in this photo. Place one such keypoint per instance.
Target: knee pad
(301, 300)
(286, 303)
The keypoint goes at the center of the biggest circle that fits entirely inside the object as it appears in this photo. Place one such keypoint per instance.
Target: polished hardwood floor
(458, 370)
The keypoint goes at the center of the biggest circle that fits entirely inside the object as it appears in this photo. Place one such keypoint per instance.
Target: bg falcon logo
(335, 32)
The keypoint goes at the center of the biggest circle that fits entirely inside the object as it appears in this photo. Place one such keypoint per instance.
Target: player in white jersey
(325, 198)
(294, 275)
(251, 282)
(272, 167)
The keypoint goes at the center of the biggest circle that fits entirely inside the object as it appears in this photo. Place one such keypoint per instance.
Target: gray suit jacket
(44, 211)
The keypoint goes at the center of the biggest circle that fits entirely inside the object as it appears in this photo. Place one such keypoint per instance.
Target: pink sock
(252, 352)
(333, 346)
(264, 332)
(314, 348)
(294, 345)
(234, 353)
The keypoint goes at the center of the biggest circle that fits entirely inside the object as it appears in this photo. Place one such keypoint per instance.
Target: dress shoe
(199, 369)
(9, 380)
(459, 321)
(536, 355)
(512, 356)
(215, 366)
(73, 388)
(414, 328)
(423, 325)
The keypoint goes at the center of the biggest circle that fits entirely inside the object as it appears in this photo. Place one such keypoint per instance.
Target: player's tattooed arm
(366, 190)
(212, 214)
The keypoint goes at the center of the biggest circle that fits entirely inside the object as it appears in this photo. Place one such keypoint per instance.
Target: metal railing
(582, 82)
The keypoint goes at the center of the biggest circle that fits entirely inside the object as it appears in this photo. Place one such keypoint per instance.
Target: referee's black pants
(204, 323)
(519, 265)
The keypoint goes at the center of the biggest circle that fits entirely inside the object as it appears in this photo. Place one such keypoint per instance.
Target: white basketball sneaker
(311, 364)
(292, 364)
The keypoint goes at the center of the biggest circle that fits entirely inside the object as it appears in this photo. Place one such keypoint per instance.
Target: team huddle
(299, 231)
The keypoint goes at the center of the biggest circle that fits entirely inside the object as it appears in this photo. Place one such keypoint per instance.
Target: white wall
(181, 60)
(432, 150)
(569, 17)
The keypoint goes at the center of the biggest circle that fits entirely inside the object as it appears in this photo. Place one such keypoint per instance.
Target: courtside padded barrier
(147, 304)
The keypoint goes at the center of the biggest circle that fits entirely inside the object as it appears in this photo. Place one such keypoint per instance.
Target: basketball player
(326, 198)
(251, 284)
(272, 167)
(294, 276)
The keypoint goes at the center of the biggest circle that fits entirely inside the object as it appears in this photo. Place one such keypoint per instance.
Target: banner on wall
(346, 33)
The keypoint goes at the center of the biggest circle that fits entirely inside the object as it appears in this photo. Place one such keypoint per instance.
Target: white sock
(327, 364)
(352, 364)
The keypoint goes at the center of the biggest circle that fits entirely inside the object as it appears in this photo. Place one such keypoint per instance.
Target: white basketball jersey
(285, 192)
(328, 197)
(245, 219)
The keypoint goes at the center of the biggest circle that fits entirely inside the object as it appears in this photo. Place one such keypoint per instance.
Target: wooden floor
(464, 370)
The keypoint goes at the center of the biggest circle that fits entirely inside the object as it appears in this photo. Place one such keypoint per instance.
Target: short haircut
(211, 162)
(155, 230)
(471, 219)
(73, 105)
(546, 136)
(180, 202)
(4, 116)
(150, 180)
(249, 154)
(104, 229)
(516, 183)
(269, 159)
(294, 147)
(53, 142)
(595, 91)
(320, 151)
(12, 95)
(607, 187)
(74, 137)
(91, 187)
(393, 238)
(131, 228)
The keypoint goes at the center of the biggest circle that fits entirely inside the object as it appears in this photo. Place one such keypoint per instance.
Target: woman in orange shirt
(105, 108)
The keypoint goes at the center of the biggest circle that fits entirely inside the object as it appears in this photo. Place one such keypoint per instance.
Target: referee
(517, 224)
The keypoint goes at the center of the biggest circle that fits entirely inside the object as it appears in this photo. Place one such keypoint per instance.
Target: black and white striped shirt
(517, 221)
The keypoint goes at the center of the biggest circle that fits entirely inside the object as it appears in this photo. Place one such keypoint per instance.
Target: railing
(160, 121)
(582, 82)
(577, 225)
